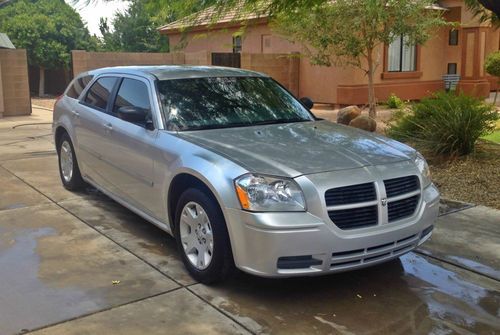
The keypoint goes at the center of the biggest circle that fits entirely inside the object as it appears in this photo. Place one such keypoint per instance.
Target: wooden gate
(226, 59)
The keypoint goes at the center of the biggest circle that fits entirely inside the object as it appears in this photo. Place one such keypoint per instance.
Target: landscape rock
(347, 114)
(364, 122)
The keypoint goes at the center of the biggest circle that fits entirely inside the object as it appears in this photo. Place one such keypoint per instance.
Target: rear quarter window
(78, 85)
(98, 94)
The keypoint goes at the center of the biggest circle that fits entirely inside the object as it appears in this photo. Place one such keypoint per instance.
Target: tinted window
(100, 91)
(78, 86)
(132, 93)
(222, 102)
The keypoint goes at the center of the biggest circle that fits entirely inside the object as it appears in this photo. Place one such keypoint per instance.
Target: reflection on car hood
(300, 148)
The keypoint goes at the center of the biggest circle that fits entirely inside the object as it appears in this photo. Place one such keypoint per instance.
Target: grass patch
(495, 136)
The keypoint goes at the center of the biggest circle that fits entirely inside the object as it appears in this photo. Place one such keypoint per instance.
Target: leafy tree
(48, 30)
(353, 32)
(486, 10)
(134, 30)
(492, 66)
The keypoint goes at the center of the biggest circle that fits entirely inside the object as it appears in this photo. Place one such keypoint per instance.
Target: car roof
(166, 72)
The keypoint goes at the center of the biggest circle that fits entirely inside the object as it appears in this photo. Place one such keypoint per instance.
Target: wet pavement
(82, 264)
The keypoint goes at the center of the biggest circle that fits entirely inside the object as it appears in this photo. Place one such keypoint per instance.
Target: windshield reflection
(222, 102)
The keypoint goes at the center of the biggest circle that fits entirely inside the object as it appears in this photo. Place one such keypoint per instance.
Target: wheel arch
(60, 130)
(183, 181)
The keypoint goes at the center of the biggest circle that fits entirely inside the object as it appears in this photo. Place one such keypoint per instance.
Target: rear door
(91, 132)
(131, 147)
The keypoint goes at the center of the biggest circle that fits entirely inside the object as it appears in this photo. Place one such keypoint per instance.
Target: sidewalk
(468, 238)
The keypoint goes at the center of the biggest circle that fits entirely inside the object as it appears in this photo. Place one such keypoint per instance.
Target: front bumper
(295, 244)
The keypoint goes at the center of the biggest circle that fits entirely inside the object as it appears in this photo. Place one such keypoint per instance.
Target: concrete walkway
(82, 264)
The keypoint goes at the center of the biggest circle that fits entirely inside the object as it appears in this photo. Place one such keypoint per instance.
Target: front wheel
(68, 165)
(202, 237)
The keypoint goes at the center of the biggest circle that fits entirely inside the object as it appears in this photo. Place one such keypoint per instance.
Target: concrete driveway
(82, 264)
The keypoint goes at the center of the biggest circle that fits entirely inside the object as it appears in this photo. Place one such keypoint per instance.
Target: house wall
(84, 61)
(348, 85)
(281, 67)
(14, 87)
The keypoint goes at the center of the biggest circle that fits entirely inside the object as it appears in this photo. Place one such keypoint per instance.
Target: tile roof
(211, 17)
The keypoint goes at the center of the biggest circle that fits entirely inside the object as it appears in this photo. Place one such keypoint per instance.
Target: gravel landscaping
(474, 179)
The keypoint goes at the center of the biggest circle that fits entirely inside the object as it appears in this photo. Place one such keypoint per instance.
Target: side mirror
(307, 102)
(131, 114)
(135, 115)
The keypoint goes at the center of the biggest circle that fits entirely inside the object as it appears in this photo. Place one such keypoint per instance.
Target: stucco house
(409, 72)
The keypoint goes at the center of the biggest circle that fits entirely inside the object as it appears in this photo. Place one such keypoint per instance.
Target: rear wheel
(202, 237)
(68, 165)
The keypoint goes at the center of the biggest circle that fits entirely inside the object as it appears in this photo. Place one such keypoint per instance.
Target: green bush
(395, 102)
(492, 67)
(446, 123)
(492, 64)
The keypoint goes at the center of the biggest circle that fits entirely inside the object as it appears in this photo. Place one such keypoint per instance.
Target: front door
(131, 148)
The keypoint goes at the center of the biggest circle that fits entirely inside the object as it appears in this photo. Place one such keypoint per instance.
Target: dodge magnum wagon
(240, 172)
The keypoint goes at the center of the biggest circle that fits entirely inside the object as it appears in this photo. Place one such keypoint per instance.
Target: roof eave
(213, 26)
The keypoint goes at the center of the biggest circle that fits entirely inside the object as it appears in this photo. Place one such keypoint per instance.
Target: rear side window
(132, 93)
(98, 94)
(78, 86)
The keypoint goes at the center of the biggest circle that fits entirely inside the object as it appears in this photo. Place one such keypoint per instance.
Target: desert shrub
(446, 123)
(492, 67)
(395, 102)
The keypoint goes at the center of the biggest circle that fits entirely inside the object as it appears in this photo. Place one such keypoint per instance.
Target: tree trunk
(496, 93)
(372, 111)
(41, 82)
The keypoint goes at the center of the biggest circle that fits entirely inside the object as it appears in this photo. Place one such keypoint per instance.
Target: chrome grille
(357, 206)
(403, 208)
(354, 217)
(350, 194)
(402, 185)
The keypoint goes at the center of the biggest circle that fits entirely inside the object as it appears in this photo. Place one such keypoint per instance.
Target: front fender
(216, 172)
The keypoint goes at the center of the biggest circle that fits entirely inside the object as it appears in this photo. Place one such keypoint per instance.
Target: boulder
(364, 122)
(347, 114)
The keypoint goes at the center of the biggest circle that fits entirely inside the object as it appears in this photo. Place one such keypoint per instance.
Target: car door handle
(108, 127)
(75, 114)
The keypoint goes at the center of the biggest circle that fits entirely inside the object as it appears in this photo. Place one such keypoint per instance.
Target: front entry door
(131, 149)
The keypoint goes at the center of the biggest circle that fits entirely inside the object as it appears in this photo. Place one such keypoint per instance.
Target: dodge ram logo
(384, 201)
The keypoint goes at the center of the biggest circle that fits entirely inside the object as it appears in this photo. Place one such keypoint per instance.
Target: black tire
(222, 263)
(75, 182)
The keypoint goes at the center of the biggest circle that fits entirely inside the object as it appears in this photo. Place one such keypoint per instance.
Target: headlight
(423, 167)
(264, 193)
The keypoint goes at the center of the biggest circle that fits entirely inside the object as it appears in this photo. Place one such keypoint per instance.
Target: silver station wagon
(240, 172)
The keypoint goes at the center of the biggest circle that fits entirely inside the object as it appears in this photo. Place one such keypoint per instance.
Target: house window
(453, 37)
(236, 44)
(452, 68)
(402, 56)
(266, 43)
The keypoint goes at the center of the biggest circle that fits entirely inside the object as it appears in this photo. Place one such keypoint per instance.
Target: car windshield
(223, 102)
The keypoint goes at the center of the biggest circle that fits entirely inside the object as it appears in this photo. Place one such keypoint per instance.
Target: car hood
(296, 149)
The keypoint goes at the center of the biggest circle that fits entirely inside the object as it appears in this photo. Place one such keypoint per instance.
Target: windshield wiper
(217, 126)
(241, 124)
(276, 121)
